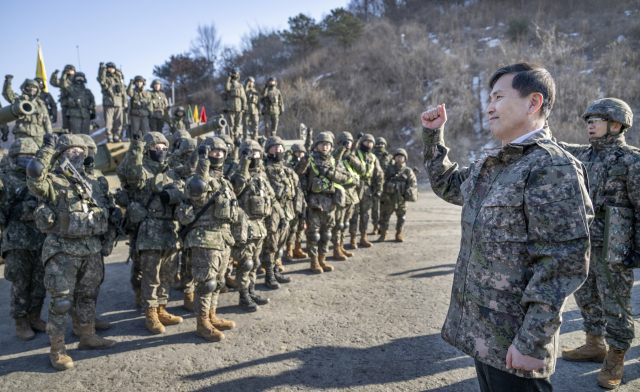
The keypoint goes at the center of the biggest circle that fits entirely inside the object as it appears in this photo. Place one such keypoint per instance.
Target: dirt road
(371, 325)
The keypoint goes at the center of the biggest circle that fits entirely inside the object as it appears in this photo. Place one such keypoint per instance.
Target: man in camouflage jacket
(140, 105)
(384, 158)
(296, 227)
(81, 104)
(400, 183)
(114, 100)
(179, 121)
(34, 125)
(158, 107)
(48, 100)
(252, 114)
(272, 106)
(54, 81)
(525, 240)
(235, 102)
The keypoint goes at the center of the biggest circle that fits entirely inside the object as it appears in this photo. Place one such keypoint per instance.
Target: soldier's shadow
(448, 269)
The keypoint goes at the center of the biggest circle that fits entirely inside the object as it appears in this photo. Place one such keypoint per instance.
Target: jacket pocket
(503, 217)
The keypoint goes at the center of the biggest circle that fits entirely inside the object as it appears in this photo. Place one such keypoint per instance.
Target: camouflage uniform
(296, 226)
(140, 104)
(400, 184)
(21, 239)
(231, 159)
(524, 247)
(114, 101)
(235, 102)
(81, 105)
(272, 107)
(177, 158)
(178, 123)
(55, 82)
(370, 188)
(252, 114)
(614, 180)
(384, 158)
(49, 102)
(34, 125)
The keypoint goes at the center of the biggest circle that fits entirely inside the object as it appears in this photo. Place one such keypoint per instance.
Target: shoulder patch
(559, 156)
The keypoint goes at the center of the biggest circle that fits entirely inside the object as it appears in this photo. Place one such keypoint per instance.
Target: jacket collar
(608, 143)
(514, 151)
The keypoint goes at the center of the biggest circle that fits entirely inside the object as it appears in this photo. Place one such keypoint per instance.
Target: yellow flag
(196, 118)
(40, 71)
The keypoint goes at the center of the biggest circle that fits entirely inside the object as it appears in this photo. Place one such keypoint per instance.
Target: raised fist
(49, 140)
(359, 135)
(434, 118)
(246, 151)
(8, 77)
(137, 135)
(203, 151)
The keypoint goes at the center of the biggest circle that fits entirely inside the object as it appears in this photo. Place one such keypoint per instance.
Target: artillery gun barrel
(215, 124)
(15, 111)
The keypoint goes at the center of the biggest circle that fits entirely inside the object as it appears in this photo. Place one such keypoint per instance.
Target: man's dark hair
(530, 78)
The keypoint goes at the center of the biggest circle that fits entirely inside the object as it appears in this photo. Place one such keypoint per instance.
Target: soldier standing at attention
(179, 122)
(67, 73)
(614, 182)
(252, 114)
(235, 102)
(384, 158)
(371, 188)
(81, 105)
(159, 106)
(296, 227)
(140, 105)
(73, 217)
(48, 100)
(34, 125)
(516, 267)
(114, 100)
(22, 242)
(272, 107)
(399, 187)
(157, 191)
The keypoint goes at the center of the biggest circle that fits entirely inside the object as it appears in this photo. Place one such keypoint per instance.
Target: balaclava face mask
(20, 163)
(277, 157)
(157, 156)
(254, 162)
(76, 159)
(365, 148)
(216, 162)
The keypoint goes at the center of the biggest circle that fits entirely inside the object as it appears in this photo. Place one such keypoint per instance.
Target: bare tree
(366, 9)
(207, 44)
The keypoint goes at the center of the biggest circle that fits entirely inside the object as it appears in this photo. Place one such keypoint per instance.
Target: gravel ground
(371, 325)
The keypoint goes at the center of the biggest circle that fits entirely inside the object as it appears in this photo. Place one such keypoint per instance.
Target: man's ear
(535, 102)
(616, 127)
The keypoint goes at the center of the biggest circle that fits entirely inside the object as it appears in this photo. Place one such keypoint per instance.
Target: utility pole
(79, 65)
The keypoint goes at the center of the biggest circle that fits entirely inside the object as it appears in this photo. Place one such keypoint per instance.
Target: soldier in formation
(114, 100)
(67, 73)
(179, 120)
(140, 105)
(235, 102)
(48, 100)
(296, 227)
(252, 114)
(158, 106)
(272, 107)
(81, 105)
(384, 158)
(35, 125)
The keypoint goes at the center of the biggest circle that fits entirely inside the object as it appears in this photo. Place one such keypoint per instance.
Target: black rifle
(186, 229)
(67, 168)
(22, 194)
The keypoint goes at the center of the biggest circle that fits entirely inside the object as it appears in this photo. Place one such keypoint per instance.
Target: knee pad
(326, 237)
(340, 226)
(314, 238)
(210, 286)
(60, 306)
(346, 225)
(266, 258)
(94, 294)
(280, 253)
(401, 219)
(247, 265)
(365, 216)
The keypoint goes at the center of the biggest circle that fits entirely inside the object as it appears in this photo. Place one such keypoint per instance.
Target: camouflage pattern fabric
(136, 268)
(399, 179)
(600, 310)
(139, 123)
(186, 271)
(207, 264)
(158, 106)
(250, 125)
(25, 271)
(361, 212)
(524, 247)
(158, 269)
(272, 103)
(371, 181)
(234, 104)
(319, 222)
(387, 209)
(251, 250)
(114, 122)
(385, 159)
(296, 231)
(72, 278)
(271, 124)
(235, 123)
(33, 126)
(343, 215)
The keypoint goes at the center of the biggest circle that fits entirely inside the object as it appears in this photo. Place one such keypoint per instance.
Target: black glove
(8, 77)
(346, 157)
(203, 151)
(138, 135)
(301, 216)
(116, 216)
(377, 194)
(245, 152)
(164, 197)
(359, 135)
(237, 142)
(283, 224)
(323, 171)
(49, 140)
(633, 260)
(345, 142)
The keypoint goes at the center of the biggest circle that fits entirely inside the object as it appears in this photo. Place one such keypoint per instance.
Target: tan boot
(152, 323)
(205, 330)
(138, 294)
(58, 354)
(230, 282)
(101, 325)
(177, 282)
(223, 290)
(187, 301)
(353, 244)
(90, 341)
(363, 241)
(167, 318)
(289, 255)
(383, 236)
(344, 251)
(279, 265)
(36, 322)
(315, 267)
(595, 350)
(261, 271)
(610, 376)
(218, 323)
(75, 326)
(325, 267)
(298, 253)
(375, 229)
(23, 329)
(337, 253)
(399, 236)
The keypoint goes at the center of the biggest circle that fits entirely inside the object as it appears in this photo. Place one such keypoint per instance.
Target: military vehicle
(15, 111)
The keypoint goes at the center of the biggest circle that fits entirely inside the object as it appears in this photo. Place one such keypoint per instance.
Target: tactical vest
(78, 102)
(368, 168)
(255, 197)
(139, 103)
(354, 175)
(224, 210)
(321, 184)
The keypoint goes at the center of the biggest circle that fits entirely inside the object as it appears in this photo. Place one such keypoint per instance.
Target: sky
(134, 34)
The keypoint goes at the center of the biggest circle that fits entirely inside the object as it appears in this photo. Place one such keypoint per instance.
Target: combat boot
(218, 323)
(261, 271)
(325, 267)
(353, 244)
(279, 267)
(315, 267)
(289, 255)
(298, 253)
(58, 354)
(255, 297)
(152, 323)
(337, 253)
(75, 326)
(344, 251)
(187, 301)
(167, 318)
(224, 289)
(610, 376)
(205, 330)
(375, 229)
(595, 350)
(363, 240)
(270, 279)
(90, 341)
(230, 282)
(383, 236)
(399, 236)
(101, 325)
(36, 322)
(246, 303)
(279, 277)
(138, 294)
(23, 329)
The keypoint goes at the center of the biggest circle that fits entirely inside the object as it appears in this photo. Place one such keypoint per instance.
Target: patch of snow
(466, 66)
(410, 142)
(586, 71)
(501, 24)
(426, 96)
(320, 77)
(575, 34)
(488, 27)
(441, 10)
(484, 39)
(624, 63)
(435, 41)
(467, 28)
(493, 43)
(448, 51)
(406, 131)
(394, 92)
(629, 13)
(620, 38)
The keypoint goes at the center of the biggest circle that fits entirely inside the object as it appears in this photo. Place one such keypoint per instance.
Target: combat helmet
(39, 80)
(252, 145)
(156, 81)
(381, 140)
(272, 79)
(227, 139)
(177, 135)
(187, 146)
(249, 79)
(88, 140)
(110, 64)
(298, 147)
(23, 146)
(139, 78)
(322, 137)
(215, 143)
(612, 109)
(178, 109)
(67, 141)
(273, 141)
(31, 82)
(75, 76)
(344, 136)
(70, 67)
(403, 152)
(153, 138)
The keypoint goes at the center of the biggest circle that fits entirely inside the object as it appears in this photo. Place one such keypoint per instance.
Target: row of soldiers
(209, 203)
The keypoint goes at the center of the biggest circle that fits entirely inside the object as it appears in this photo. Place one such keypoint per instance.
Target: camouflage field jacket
(524, 247)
